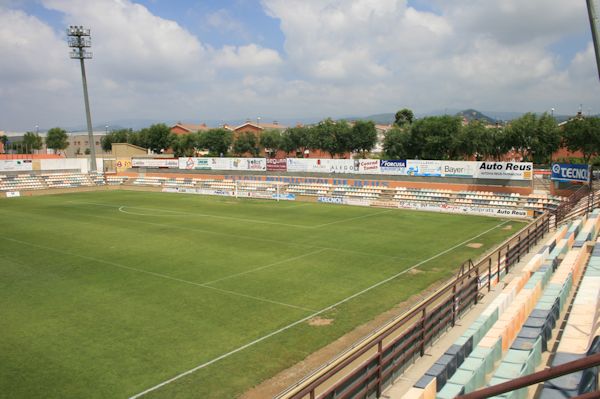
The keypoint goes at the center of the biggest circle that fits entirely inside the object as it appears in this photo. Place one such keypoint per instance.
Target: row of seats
(515, 328)
(24, 182)
(580, 337)
(537, 202)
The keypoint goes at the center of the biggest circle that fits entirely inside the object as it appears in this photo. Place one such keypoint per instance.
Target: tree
(3, 139)
(433, 137)
(404, 117)
(57, 139)
(363, 137)
(116, 136)
(395, 143)
(583, 134)
(216, 141)
(246, 142)
(332, 137)
(295, 139)
(534, 138)
(473, 140)
(185, 145)
(499, 144)
(31, 141)
(159, 137)
(270, 140)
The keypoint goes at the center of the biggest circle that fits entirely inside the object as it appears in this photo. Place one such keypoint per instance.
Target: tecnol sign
(570, 172)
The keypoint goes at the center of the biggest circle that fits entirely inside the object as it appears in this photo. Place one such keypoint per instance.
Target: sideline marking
(156, 274)
(258, 340)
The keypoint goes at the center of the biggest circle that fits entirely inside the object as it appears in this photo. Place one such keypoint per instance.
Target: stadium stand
(508, 338)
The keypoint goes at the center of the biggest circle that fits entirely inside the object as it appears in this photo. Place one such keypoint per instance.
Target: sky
(221, 60)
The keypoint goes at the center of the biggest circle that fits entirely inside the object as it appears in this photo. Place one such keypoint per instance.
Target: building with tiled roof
(185, 128)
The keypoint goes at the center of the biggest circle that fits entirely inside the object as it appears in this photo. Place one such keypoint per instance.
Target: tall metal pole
(593, 15)
(89, 119)
(79, 39)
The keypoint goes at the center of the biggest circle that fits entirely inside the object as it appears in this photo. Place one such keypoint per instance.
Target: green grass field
(107, 294)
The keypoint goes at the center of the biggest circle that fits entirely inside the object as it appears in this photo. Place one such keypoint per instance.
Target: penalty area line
(285, 328)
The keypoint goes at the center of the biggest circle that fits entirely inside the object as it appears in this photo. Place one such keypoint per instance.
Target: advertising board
(9, 165)
(276, 165)
(341, 165)
(330, 200)
(504, 170)
(392, 166)
(570, 172)
(194, 163)
(12, 194)
(369, 166)
(458, 169)
(155, 163)
(416, 167)
(122, 165)
(465, 209)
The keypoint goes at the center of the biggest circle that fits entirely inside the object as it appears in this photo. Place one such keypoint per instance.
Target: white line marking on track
(264, 267)
(258, 340)
(157, 274)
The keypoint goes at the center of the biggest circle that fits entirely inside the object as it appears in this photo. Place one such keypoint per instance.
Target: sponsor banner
(458, 169)
(570, 172)
(248, 164)
(122, 165)
(357, 202)
(279, 165)
(10, 165)
(416, 167)
(331, 200)
(392, 166)
(170, 190)
(504, 170)
(342, 165)
(369, 166)
(285, 197)
(469, 210)
(194, 163)
(12, 194)
(220, 163)
(153, 163)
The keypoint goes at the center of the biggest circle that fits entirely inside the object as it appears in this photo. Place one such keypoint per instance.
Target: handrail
(540, 376)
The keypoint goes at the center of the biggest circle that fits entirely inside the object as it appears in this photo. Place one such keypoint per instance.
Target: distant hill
(474, 115)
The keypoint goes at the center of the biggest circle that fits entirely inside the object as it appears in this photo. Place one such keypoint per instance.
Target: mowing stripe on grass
(121, 208)
(158, 274)
(264, 267)
(251, 238)
(354, 218)
(258, 340)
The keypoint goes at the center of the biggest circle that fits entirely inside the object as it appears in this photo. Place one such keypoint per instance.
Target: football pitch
(119, 294)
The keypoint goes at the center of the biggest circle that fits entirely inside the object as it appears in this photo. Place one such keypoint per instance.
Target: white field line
(252, 238)
(264, 267)
(156, 274)
(354, 218)
(258, 340)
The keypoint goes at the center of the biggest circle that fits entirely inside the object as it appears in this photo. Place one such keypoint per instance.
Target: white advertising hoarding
(10, 165)
(504, 170)
(171, 163)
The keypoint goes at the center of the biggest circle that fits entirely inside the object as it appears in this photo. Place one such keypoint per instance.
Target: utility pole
(79, 40)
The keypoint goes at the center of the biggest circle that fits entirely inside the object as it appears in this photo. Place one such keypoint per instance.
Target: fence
(368, 367)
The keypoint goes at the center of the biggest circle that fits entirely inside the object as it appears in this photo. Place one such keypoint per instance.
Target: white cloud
(342, 57)
(250, 56)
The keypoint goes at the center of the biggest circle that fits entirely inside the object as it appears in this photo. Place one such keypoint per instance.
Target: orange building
(184, 128)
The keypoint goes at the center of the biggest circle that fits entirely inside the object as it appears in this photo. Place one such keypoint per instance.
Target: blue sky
(196, 61)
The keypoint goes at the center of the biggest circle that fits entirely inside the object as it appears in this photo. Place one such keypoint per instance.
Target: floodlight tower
(593, 9)
(79, 40)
